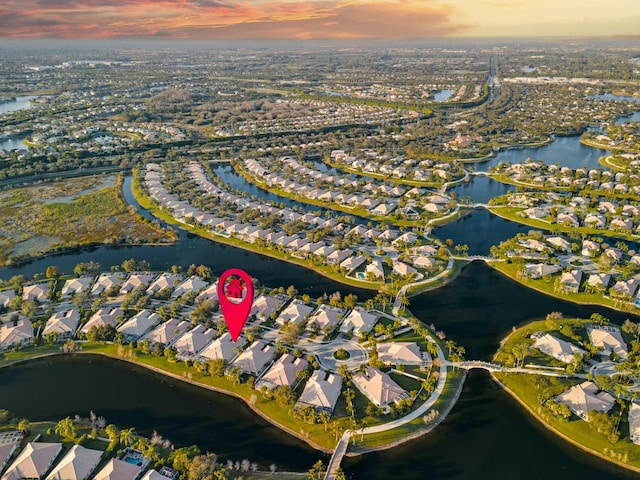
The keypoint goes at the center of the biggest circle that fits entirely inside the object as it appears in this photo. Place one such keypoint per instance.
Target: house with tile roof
(167, 332)
(16, 335)
(63, 323)
(223, 347)
(283, 371)
(359, 320)
(117, 469)
(583, 398)
(35, 459)
(379, 387)
(321, 391)
(255, 358)
(104, 316)
(75, 285)
(77, 464)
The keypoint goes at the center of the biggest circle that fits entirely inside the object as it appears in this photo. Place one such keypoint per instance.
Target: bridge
(494, 367)
(336, 458)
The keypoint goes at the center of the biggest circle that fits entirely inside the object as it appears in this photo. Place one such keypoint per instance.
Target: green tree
(66, 428)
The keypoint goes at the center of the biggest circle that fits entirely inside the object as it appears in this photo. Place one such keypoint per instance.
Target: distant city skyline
(315, 19)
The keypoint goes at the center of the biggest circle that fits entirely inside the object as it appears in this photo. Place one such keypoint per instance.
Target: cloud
(213, 19)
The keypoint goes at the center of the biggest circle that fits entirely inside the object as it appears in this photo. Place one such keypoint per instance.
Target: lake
(18, 103)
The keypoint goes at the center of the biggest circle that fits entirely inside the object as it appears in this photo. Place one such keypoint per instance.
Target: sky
(315, 19)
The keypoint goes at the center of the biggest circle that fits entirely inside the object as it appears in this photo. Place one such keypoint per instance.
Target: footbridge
(336, 458)
(494, 367)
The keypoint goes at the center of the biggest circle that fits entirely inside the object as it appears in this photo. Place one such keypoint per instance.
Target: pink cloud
(212, 19)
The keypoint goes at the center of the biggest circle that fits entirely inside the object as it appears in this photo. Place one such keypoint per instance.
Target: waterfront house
(375, 268)
(358, 320)
(37, 292)
(17, 335)
(539, 270)
(583, 398)
(379, 387)
(403, 269)
(63, 323)
(191, 284)
(167, 332)
(400, 353)
(556, 347)
(77, 464)
(34, 461)
(627, 287)
(351, 263)
(192, 341)
(104, 316)
(296, 312)
(223, 347)
(6, 296)
(6, 451)
(321, 391)
(600, 281)
(164, 281)
(75, 285)
(608, 339)
(139, 324)
(136, 280)
(284, 371)
(105, 281)
(570, 281)
(634, 422)
(209, 293)
(256, 358)
(338, 256)
(590, 248)
(117, 469)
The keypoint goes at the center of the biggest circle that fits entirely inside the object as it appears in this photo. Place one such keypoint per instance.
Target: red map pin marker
(235, 294)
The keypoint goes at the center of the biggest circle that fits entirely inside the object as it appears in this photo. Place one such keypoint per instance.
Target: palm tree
(450, 345)
(23, 425)
(127, 436)
(66, 428)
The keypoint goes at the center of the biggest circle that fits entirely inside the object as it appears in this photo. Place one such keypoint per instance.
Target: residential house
(539, 270)
(75, 285)
(599, 281)
(375, 268)
(166, 332)
(37, 292)
(34, 461)
(255, 358)
(609, 339)
(105, 281)
(556, 347)
(326, 316)
(6, 296)
(627, 287)
(351, 263)
(570, 281)
(139, 324)
(634, 422)
(63, 323)
(264, 306)
(117, 469)
(223, 347)
(17, 335)
(400, 353)
(296, 312)
(321, 391)
(77, 464)
(165, 281)
(6, 451)
(359, 320)
(191, 284)
(283, 371)
(379, 387)
(104, 316)
(192, 341)
(560, 243)
(209, 293)
(136, 280)
(583, 398)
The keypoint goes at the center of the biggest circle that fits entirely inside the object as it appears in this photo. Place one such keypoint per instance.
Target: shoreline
(253, 408)
(573, 442)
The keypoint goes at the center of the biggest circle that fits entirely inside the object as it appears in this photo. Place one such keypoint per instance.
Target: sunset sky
(315, 19)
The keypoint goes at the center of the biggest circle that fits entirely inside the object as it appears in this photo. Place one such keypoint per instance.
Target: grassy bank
(526, 390)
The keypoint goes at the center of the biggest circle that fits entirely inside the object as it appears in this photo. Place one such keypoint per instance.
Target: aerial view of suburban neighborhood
(435, 208)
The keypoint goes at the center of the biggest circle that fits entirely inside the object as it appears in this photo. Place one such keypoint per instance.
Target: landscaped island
(589, 386)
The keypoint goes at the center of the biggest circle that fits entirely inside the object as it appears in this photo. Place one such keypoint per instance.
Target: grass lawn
(415, 427)
(527, 390)
(546, 286)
